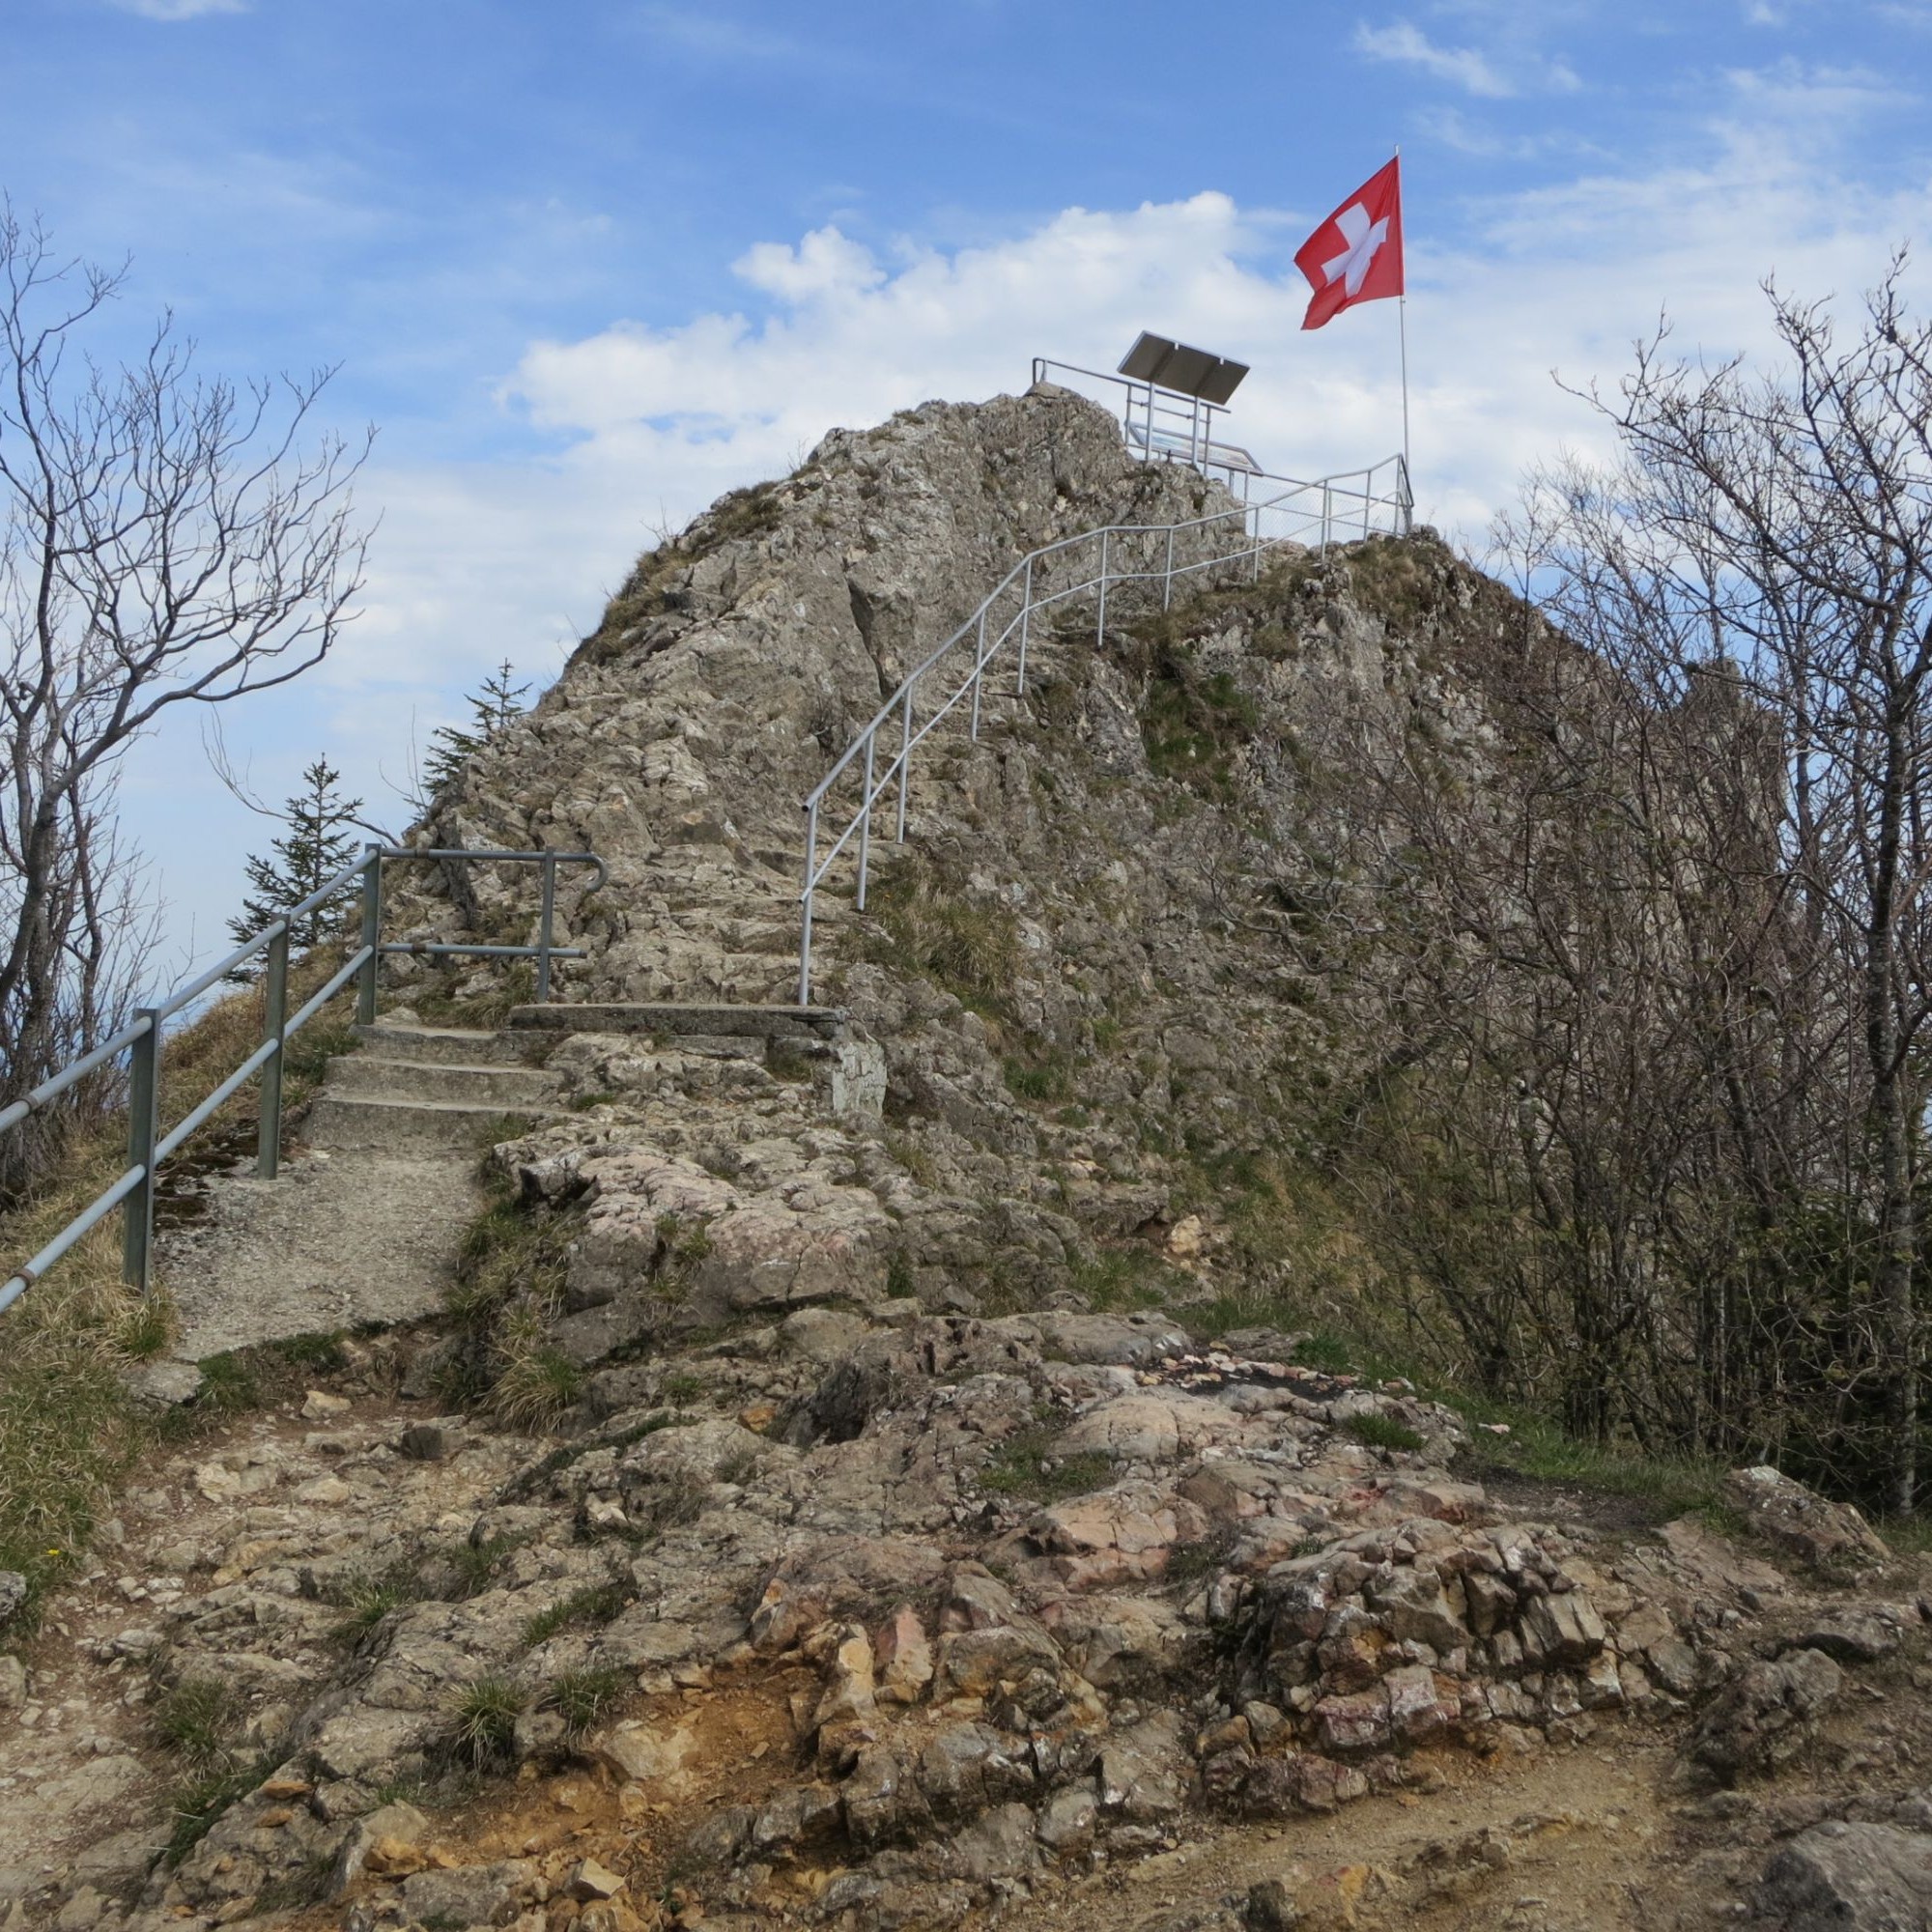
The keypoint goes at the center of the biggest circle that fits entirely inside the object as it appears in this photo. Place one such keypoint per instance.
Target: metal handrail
(1315, 512)
(133, 1190)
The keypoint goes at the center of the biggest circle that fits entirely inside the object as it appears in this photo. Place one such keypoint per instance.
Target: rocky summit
(890, 1463)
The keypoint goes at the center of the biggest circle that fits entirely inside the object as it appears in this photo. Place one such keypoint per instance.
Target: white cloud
(1788, 91)
(179, 10)
(1518, 72)
(1408, 44)
(823, 266)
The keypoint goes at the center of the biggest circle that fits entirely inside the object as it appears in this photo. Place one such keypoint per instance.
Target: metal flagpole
(1401, 331)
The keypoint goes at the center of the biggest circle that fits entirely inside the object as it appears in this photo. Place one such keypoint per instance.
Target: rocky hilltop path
(870, 1475)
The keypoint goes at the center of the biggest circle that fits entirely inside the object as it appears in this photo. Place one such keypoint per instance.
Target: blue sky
(587, 263)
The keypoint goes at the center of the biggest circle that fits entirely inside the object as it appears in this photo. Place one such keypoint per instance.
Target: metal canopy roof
(1189, 372)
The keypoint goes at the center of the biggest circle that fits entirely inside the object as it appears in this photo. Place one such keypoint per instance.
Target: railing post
(1167, 576)
(866, 821)
(274, 1021)
(1326, 495)
(543, 925)
(979, 667)
(905, 766)
(1026, 620)
(144, 1121)
(1100, 620)
(805, 924)
(372, 930)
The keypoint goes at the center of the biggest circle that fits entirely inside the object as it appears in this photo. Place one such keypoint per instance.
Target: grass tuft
(969, 946)
(474, 1566)
(536, 1383)
(579, 1697)
(369, 1600)
(68, 1426)
(1119, 1280)
(596, 1604)
(228, 1385)
(197, 1804)
(483, 1721)
(192, 1721)
(1383, 1432)
(147, 1328)
(1028, 1466)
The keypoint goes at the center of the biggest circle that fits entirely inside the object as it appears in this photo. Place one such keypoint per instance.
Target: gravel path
(339, 1238)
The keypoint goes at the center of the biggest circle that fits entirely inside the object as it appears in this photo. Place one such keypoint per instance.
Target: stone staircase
(428, 1087)
(413, 1087)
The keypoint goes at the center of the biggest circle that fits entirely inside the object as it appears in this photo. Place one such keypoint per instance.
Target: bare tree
(1693, 1073)
(164, 542)
(1796, 514)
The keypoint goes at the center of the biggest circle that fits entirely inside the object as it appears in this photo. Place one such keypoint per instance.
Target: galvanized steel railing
(133, 1190)
(1348, 506)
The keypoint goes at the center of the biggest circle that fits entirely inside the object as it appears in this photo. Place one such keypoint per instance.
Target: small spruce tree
(319, 843)
(491, 709)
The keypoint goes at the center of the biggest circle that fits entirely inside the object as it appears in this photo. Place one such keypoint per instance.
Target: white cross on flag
(1355, 255)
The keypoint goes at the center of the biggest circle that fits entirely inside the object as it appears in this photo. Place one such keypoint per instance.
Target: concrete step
(342, 1121)
(367, 1075)
(446, 1046)
(677, 1019)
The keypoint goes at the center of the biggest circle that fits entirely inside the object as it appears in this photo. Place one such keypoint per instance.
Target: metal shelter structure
(1157, 425)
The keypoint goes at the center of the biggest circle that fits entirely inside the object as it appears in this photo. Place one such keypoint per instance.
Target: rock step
(369, 1077)
(677, 1019)
(340, 1121)
(446, 1046)
(724, 1046)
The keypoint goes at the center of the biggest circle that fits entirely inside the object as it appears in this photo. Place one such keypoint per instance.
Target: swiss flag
(1355, 255)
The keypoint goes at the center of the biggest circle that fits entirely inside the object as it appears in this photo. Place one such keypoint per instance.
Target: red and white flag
(1355, 255)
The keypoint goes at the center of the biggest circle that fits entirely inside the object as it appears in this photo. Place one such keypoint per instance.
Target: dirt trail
(1566, 1839)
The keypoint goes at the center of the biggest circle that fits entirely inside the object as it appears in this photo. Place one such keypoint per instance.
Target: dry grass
(68, 1426)
(536, 1384)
